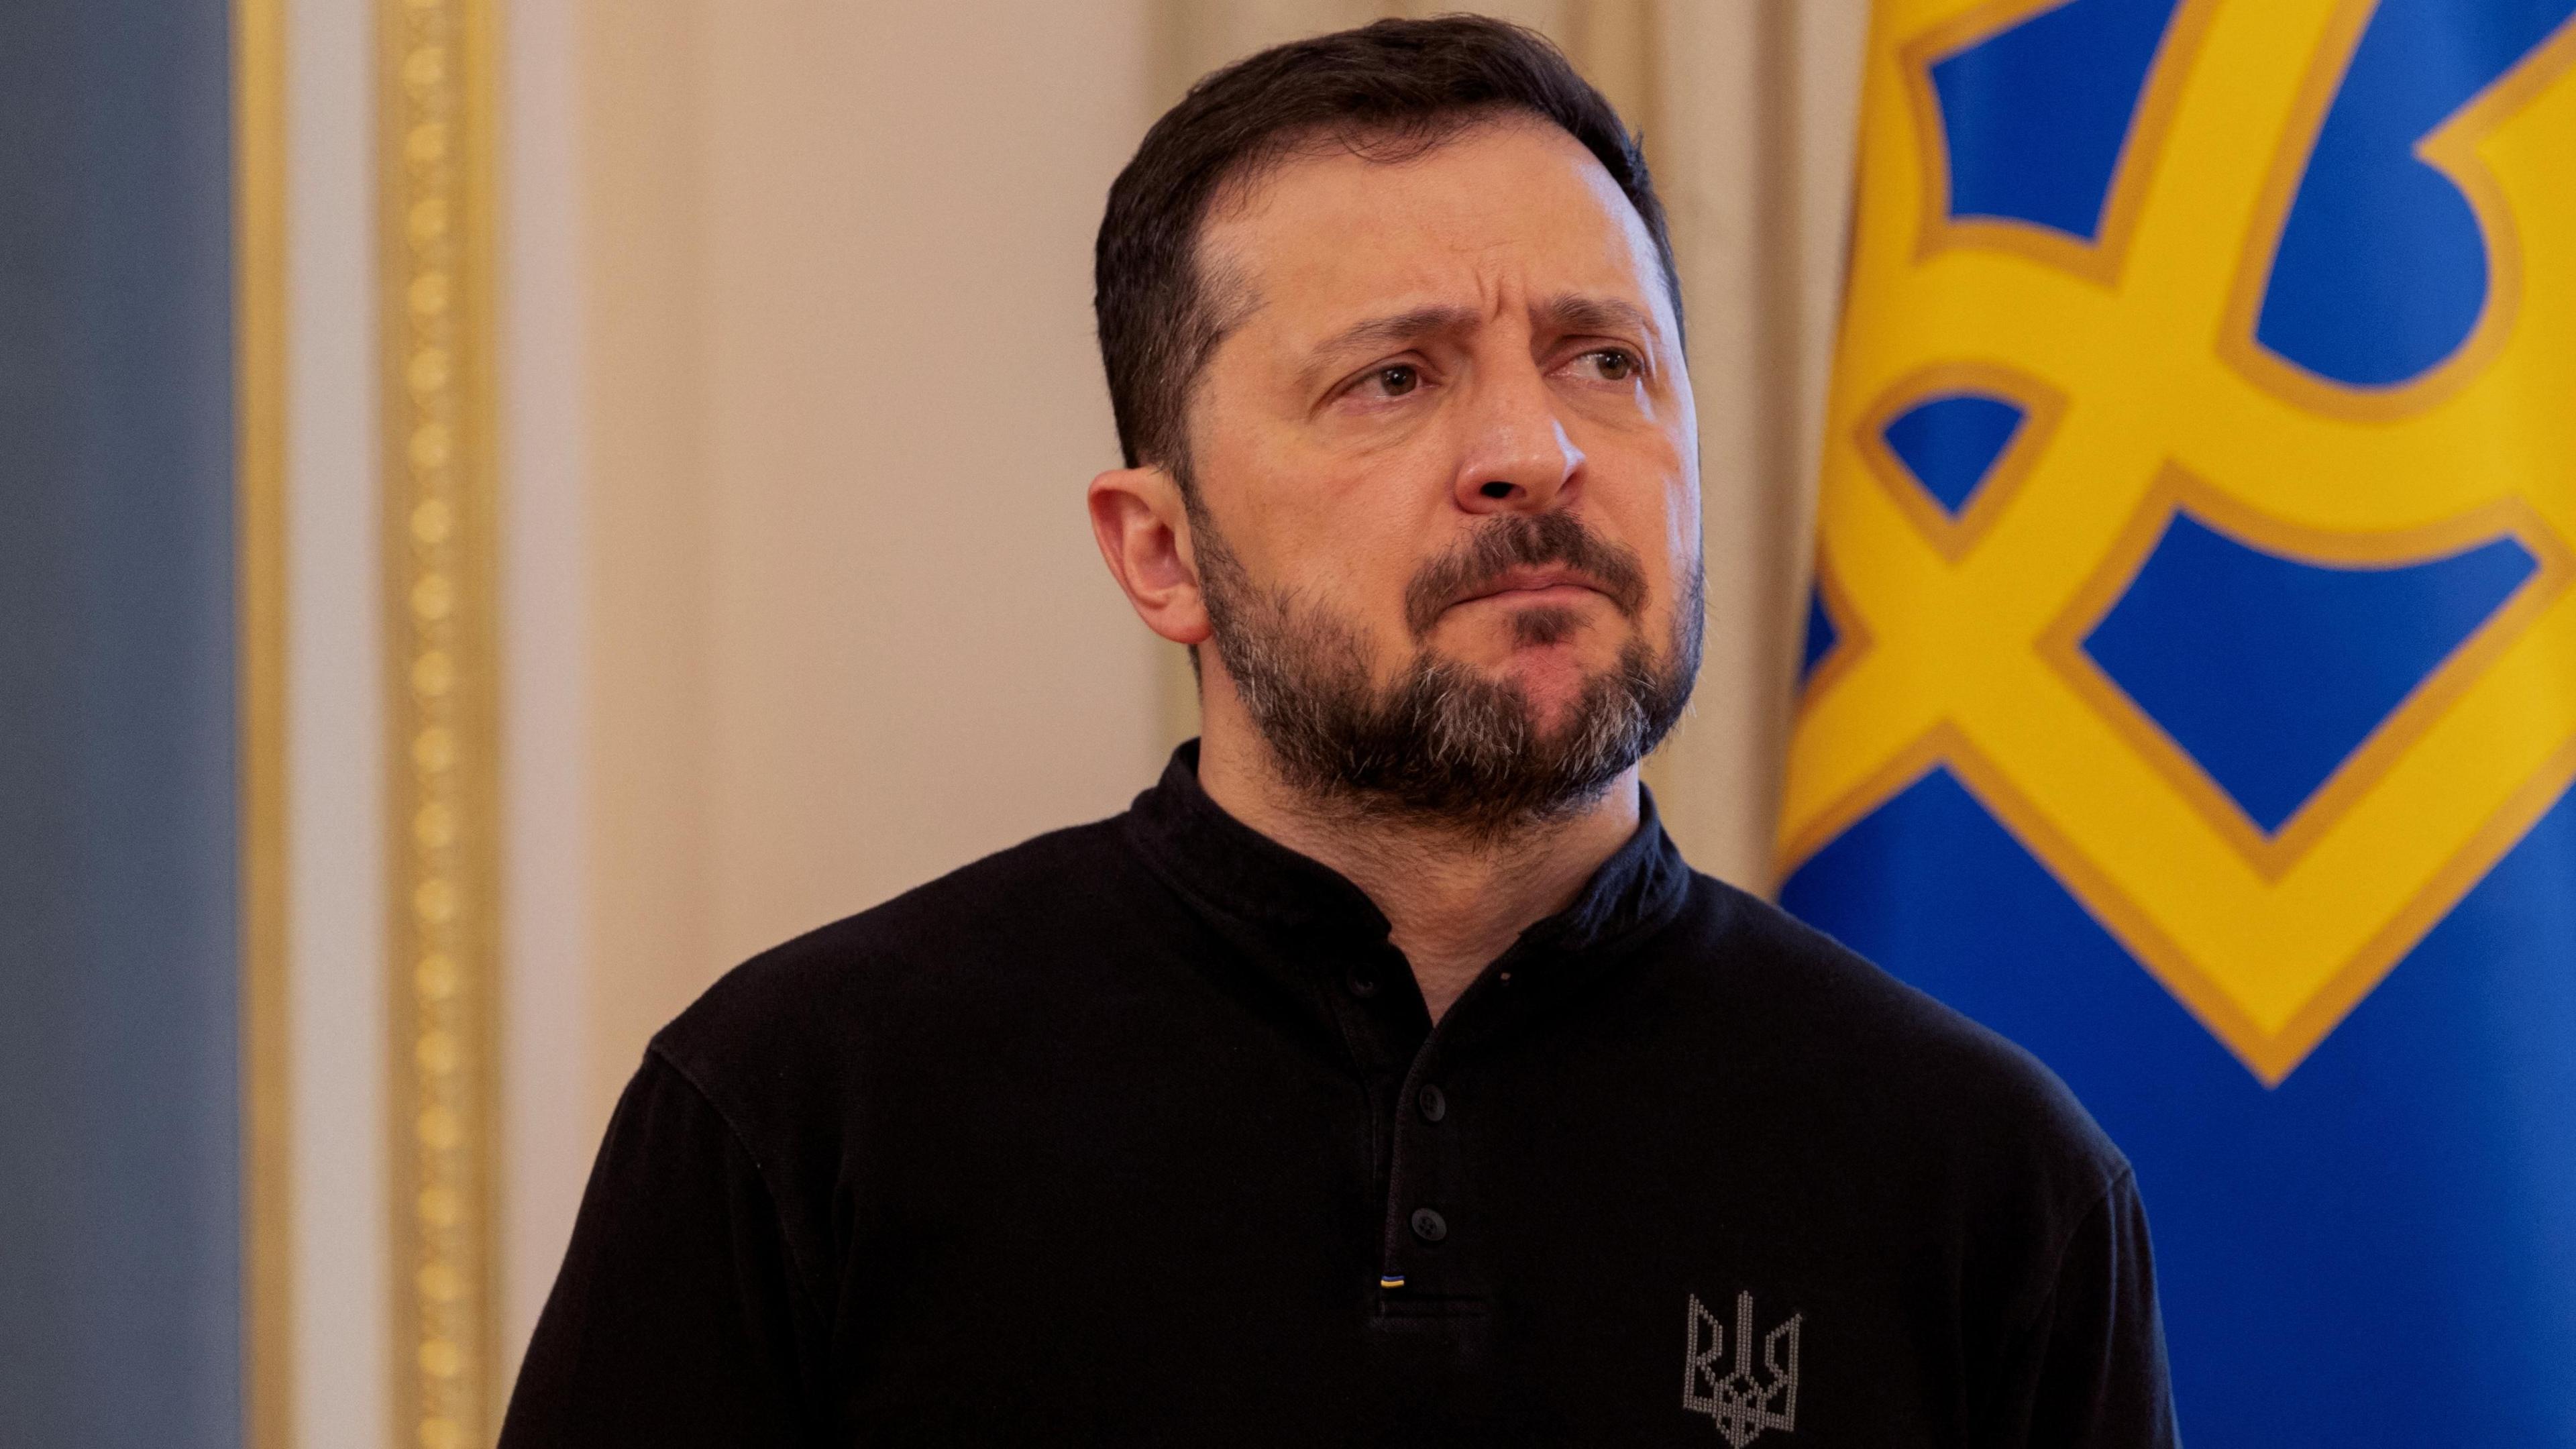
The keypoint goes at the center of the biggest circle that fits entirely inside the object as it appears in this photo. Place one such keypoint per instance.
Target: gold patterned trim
(435, 158)
(259, 522)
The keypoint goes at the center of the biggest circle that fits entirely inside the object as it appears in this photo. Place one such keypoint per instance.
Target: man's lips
(1539, 585)
(1543, 566)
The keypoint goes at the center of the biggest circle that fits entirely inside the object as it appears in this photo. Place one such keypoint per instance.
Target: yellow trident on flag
(2144, 433)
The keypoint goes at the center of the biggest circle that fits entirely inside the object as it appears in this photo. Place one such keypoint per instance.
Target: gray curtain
(119, 1151)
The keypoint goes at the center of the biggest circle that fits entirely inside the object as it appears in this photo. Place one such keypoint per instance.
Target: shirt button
(1429, 1226)
(1434, 1105)
(1362, 984)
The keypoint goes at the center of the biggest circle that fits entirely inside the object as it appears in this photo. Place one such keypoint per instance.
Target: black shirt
(1140, 1134)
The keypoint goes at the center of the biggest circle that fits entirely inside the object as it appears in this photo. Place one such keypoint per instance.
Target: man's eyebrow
(1575, 313)
(1572, 312)
(1377, 332)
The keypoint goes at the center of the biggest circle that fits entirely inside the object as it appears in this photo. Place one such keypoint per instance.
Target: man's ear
(1143, 530)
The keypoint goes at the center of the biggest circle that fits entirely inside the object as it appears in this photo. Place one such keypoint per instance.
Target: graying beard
(1441, 745)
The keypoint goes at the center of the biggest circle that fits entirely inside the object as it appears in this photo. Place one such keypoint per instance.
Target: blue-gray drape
(120, 1225)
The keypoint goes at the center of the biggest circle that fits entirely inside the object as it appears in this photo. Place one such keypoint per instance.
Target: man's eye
(1396, 380)
(1612, 364)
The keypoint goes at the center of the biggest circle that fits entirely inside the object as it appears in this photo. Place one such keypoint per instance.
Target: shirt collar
(1228, 866)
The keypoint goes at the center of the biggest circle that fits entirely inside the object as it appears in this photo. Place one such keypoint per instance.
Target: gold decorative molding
(259, 586)
(435, 160)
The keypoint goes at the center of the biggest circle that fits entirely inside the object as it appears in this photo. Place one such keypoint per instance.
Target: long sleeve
(675, 1318)
(2090, 1369)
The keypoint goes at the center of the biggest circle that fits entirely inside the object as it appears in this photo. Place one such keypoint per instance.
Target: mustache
(1522, 541)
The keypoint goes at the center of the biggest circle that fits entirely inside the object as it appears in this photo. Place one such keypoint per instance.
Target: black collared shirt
(1140, 1134)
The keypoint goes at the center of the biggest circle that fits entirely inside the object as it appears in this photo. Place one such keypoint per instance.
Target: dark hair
(1390, 90)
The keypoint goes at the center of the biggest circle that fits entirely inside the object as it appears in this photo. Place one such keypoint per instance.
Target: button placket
(1427, 1223)
(1429, 1266)
(1383, 1020)
(1423, 1253)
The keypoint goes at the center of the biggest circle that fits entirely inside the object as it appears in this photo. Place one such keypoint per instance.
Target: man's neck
(1454, 902)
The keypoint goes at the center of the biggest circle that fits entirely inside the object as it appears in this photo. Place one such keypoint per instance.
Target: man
(1383, 1076)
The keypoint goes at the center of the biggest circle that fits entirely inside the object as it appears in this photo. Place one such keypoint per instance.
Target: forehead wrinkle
(1493, 266)
(1576, 312)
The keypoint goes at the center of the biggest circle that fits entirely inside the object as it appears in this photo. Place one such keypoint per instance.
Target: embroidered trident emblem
(1741, 1402)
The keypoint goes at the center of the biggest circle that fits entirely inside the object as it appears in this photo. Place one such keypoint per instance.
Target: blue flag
(2190, 680)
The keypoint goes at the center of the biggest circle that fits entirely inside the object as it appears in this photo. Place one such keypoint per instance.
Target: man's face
(1445, 473)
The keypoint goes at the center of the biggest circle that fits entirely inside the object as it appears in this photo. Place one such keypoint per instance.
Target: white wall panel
(547, 1131)
(335, 732)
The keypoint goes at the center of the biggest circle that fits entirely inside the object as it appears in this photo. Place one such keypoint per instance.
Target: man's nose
(1517, 457)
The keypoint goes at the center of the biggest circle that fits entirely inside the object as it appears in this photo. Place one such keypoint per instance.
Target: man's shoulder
(978, 937)
(1837, 1024)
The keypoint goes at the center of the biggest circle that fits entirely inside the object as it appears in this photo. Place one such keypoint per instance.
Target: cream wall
(848, 626)
(334, 776)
